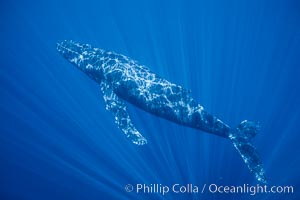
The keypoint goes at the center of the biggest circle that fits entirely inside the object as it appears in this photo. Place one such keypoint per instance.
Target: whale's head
(83, 56)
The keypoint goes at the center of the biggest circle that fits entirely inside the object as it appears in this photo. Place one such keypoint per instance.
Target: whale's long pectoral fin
(116, 106)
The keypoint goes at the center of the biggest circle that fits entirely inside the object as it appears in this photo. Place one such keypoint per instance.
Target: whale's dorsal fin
(118, 108)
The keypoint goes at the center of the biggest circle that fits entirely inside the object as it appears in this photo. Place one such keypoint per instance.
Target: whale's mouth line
(62, 49)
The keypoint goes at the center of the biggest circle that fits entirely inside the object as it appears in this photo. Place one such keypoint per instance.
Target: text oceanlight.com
(207, 188)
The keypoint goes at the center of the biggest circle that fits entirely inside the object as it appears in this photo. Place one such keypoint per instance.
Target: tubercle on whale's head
(83, 56)
(73, 51)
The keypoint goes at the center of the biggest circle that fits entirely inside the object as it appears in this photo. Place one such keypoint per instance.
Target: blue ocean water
(240, 59)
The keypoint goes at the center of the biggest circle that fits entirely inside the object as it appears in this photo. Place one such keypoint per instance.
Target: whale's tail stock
(241, 138)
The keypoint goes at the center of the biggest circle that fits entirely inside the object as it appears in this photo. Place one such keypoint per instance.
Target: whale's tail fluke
(241, 138)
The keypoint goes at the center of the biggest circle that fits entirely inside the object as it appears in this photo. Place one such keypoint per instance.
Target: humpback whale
(122, 79)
